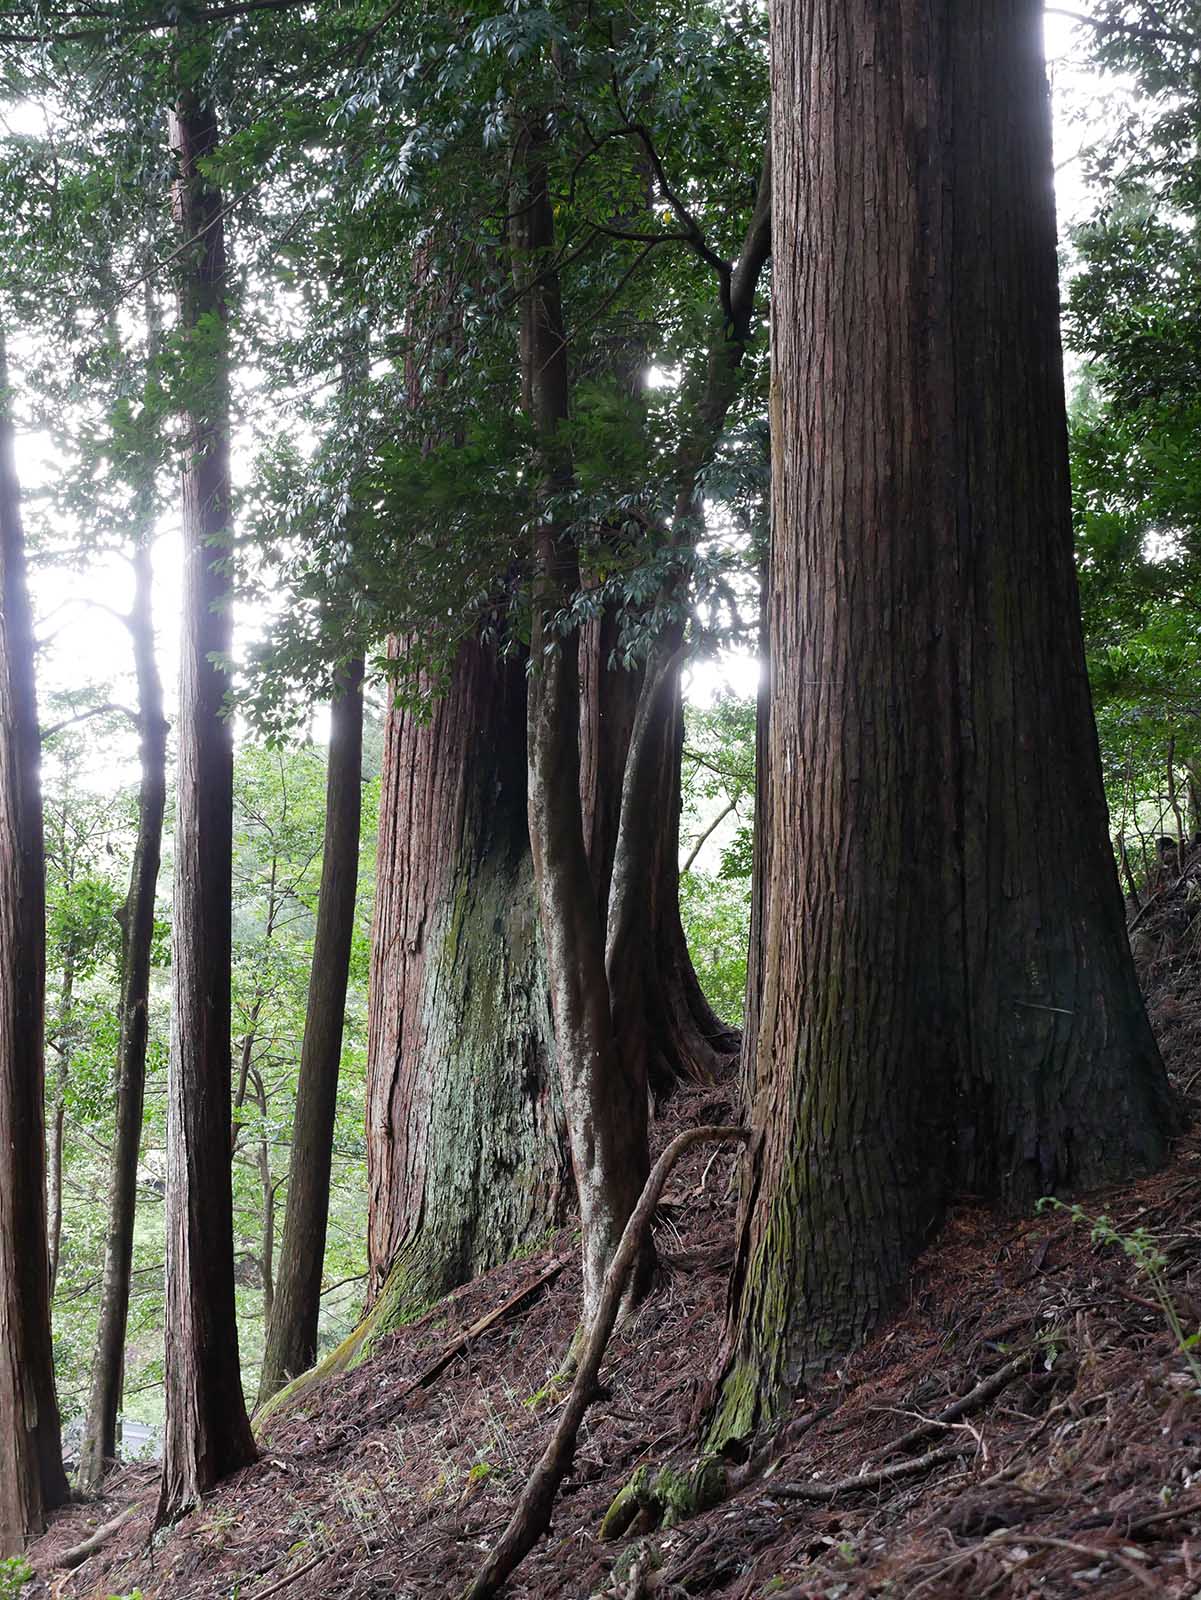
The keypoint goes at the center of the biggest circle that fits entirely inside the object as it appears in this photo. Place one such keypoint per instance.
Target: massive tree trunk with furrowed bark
(32, 1480)
(466, 1140)
(948, 1001)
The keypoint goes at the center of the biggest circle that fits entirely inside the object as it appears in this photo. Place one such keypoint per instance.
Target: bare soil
(1081, 1476)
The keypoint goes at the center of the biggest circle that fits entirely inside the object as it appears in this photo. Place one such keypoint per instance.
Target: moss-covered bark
(466, 1139)
(948, 1002)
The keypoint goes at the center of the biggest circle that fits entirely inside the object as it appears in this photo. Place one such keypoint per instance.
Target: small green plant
(481, 1470)
(15, 1573)
(1143, 1250)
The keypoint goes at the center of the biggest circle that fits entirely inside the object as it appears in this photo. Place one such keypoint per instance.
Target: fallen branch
(79, 1553)
(532, 1517)
(823, 1493)
(964, 1406)
(291, 1577)
(384, 1410)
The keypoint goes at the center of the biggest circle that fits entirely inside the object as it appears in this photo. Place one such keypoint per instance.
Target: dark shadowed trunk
(99, 1444)
(949, 1004)
(207, 1434)
(292, 1327)
(32, 1480)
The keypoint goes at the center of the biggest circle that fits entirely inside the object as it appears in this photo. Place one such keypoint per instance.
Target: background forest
(454, 328)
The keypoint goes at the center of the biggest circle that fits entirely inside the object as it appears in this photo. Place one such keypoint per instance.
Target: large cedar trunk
(207, 1434)
(948, 1003)
(292, 1325)
(99, 1444)
(31, 1468)
(466, 1138)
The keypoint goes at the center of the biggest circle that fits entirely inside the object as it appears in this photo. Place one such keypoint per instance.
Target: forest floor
(1080, 1474)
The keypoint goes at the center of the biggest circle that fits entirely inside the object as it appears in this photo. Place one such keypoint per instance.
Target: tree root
(532, 1517)
(660, 1499)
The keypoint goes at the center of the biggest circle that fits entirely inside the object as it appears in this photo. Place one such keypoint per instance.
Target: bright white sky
(84, 643)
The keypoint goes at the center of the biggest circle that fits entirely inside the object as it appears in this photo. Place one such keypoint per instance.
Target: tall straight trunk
(605, 1097)
(54, 1154)
(99, 1444)
(207, 1433)
(292, 1327)
(949, 1004)
(32, 1480)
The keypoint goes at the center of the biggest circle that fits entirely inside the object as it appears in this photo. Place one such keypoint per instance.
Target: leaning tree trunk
(292, 1326)
(207, 1433)
(949, 1004)
(32, 1480)
(137, 939)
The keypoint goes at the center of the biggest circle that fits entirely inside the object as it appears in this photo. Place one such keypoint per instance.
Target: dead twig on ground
(823, 1493)
(983, 1392)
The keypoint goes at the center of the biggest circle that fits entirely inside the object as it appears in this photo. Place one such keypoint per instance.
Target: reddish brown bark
(466, 1141)
(207, 1434)
(32, 1480)
(948, 1000)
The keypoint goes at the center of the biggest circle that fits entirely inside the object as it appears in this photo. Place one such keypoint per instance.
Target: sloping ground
(1077, 1471)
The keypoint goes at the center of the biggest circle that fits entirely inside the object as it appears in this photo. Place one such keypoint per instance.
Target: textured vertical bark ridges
(31, 1469)
(466, 1138)
(207, 1434)
(948, 1001)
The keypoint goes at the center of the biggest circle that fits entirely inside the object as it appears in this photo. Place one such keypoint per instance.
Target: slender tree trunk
(949, 1004)
(605, 1098)
(32, 1480)
(292, 1326)
(62, 1072)
(137, 938)
(666, 1029)
(207, 1433)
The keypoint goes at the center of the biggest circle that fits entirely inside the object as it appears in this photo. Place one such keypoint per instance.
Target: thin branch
(108, 707)
(709, 831)
(1130, 30)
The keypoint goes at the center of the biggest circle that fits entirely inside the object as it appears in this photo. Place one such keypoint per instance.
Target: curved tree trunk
(292, 1326)
(32, 1480)
(949, 1004)
(207, 1433)
(137, 935)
